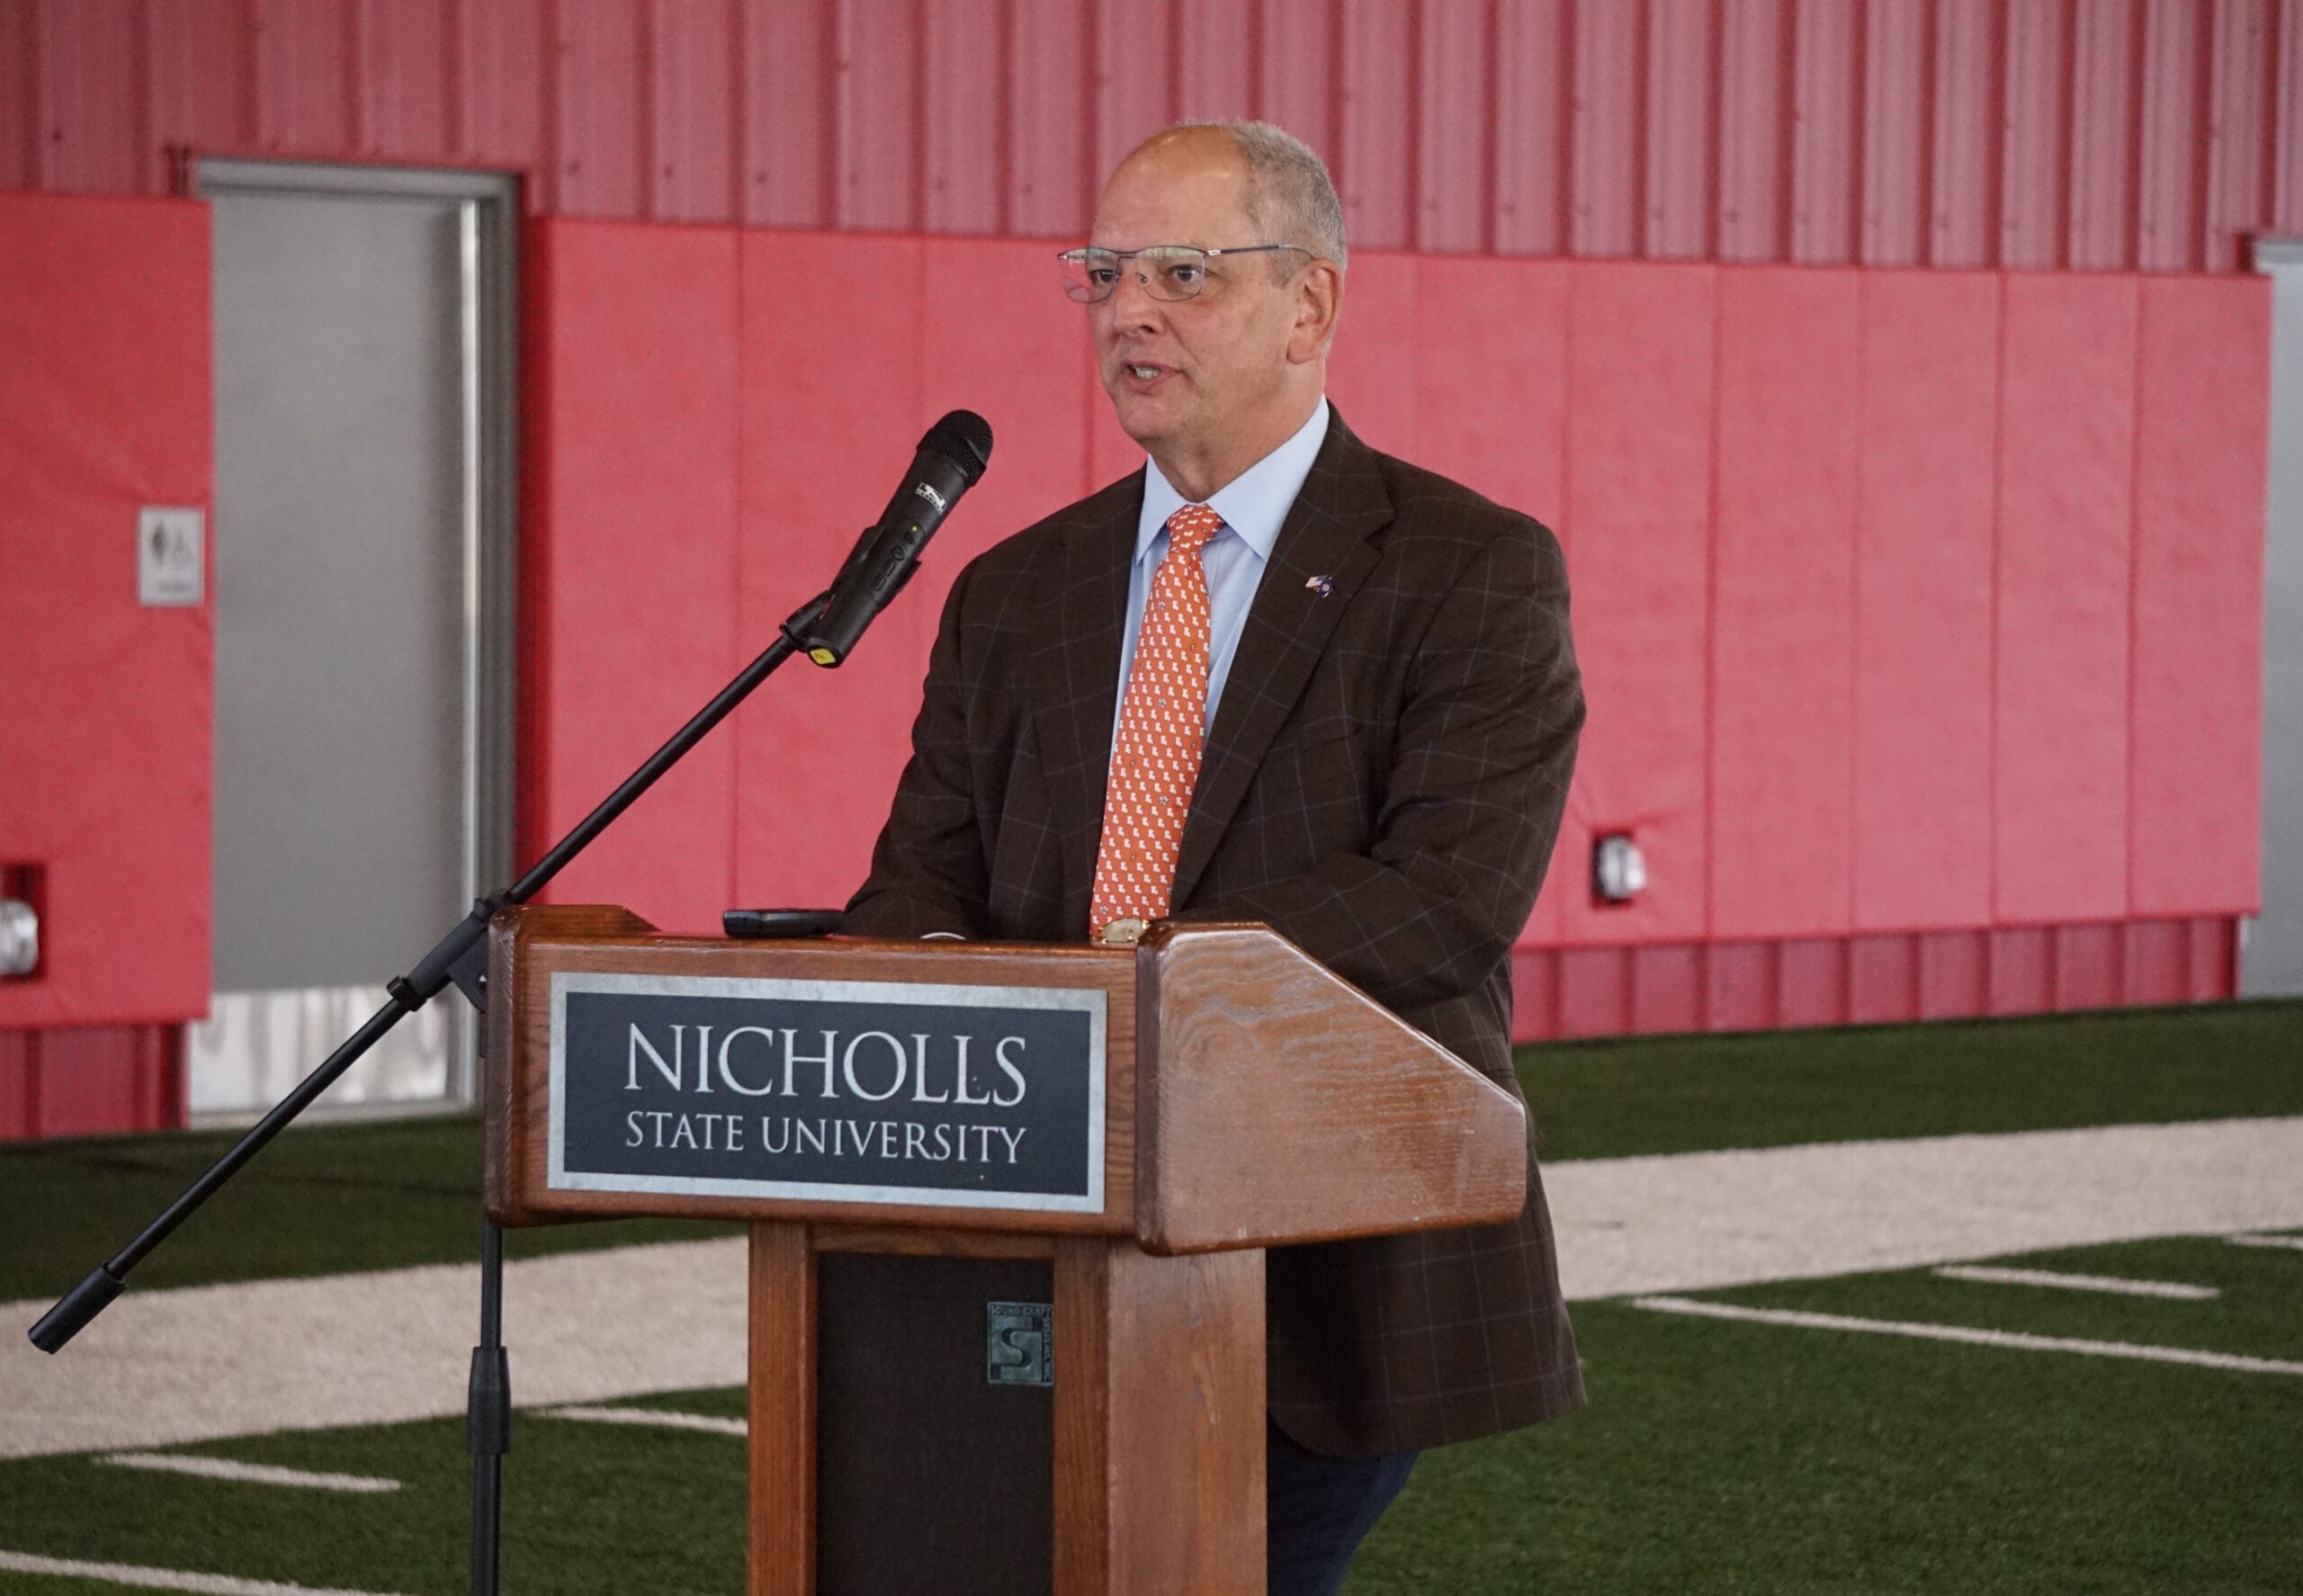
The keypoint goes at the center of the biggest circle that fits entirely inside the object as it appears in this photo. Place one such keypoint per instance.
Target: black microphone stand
(461, 958)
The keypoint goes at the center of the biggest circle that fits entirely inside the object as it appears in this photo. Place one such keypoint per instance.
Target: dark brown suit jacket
(1382, 785)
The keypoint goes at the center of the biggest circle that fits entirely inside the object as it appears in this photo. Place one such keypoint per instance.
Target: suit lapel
(1083, 619)
(1319, 560)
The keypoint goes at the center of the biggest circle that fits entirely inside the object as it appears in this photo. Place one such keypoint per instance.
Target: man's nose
(1132, 307)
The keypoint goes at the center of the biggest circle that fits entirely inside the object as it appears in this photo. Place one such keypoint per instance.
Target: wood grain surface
(929, 1243)
(781, 1526)
(1160, 1417)
(1279, 1103)
(1276, 1103)
(533, 943)
(505, 1067)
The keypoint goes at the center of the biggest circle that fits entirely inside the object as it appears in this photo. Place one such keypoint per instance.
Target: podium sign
(828, 1091)
(1007, 1206)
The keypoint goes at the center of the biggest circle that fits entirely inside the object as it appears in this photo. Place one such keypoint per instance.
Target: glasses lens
(1089, 274)
(1173, 271)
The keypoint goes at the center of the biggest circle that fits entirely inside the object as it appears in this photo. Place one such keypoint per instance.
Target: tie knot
(1189, 528)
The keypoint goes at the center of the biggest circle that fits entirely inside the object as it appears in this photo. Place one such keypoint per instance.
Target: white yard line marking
(253, 1474)
(2118, 1285)
(159, 1579)
(657, 1418)
(1975, 1337)
(2294, 1241)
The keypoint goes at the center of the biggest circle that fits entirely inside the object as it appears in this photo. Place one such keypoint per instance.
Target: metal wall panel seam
(354, 67)
(2159, 233)
(2284, 199)
(1294, 80)
(405, 52)
(1492, 126)
(1887, 204)
(451, 80)
(2030, 119)
(1380, 147)
(1818, 134)
(1601, 157)
(19, 97)
(1411, 126)
(2236, 102)
(2100, 141)
(1006, 178)
(1962, 213)
(689, 111)
(738, 116)
(1452, 66)
(1758, 85)
(148, 168)
(645, 142)
(549, 185)
(1679, 134)
(740, 125)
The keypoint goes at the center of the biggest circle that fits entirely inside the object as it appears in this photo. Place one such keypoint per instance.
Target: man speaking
(1274, 675)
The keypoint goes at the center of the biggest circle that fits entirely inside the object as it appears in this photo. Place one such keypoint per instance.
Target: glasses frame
(1086, 252)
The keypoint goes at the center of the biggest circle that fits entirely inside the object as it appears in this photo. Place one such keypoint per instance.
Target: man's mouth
(1143, 372)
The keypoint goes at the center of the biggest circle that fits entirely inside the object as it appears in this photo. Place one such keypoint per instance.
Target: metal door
(363, 616)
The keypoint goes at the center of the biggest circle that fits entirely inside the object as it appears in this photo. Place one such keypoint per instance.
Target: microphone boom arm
(456, 956)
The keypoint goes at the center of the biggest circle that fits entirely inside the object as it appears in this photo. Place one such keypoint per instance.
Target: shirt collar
(1253, 504)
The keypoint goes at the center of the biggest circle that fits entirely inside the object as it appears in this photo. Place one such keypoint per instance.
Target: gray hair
(1290, 196)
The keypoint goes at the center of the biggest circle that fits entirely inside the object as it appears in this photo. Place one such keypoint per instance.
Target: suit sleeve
(1470, 799)
(928, 871)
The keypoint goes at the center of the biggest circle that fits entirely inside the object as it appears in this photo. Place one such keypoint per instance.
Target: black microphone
(950, 459)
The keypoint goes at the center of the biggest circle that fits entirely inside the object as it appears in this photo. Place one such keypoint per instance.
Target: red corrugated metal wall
(2145, 135)
(2137, 135)
(1793, 500)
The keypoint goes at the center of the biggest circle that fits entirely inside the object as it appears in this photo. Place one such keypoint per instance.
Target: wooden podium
(1008, 1204)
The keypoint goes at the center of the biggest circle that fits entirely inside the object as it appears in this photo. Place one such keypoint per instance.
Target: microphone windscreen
(965, 438)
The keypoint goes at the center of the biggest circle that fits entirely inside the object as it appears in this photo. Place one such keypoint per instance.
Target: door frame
(2281, 260)
(488, 208)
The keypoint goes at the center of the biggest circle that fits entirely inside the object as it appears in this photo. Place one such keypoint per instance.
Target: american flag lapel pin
(1320, 585)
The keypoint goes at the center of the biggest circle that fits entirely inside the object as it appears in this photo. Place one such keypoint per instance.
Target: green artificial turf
(591, 1509)
(321, 1199)
(1736, 1457)
(1686, 1094)
(331, 1199)
(1716, 1457)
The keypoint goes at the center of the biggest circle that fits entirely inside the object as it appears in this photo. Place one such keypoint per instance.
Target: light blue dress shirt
(1253, 505)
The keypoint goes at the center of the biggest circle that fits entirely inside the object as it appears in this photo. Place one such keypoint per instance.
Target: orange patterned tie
(1155, 758)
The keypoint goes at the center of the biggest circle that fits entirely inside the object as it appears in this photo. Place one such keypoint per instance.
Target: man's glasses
(1167, 270)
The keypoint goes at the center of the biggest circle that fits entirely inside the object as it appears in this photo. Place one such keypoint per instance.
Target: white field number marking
(1974, 1338)
(252, 1474)
(655, 1418)
(1992, 1275)
(159, 1579)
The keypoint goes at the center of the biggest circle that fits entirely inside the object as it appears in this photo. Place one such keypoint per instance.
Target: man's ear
(1319, 300)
